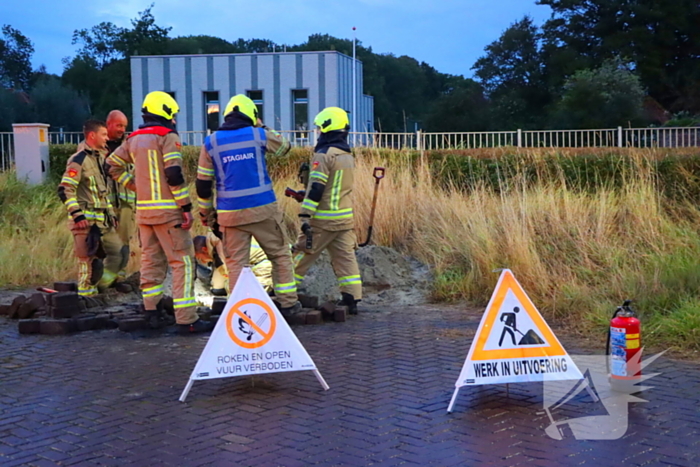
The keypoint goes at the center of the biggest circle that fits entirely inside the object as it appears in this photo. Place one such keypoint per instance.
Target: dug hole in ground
(388, 279)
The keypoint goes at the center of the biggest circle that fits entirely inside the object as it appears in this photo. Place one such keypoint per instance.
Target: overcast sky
(448, 34)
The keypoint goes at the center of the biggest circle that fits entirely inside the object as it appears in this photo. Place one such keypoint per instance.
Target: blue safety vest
(242, 181)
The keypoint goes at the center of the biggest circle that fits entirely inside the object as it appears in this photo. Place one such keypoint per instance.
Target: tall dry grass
(578, 252)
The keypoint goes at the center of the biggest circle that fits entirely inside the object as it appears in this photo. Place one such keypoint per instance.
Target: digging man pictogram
(510, 327)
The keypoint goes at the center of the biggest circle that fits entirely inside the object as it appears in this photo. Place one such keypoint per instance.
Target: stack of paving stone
(311, 312)
(64, 312)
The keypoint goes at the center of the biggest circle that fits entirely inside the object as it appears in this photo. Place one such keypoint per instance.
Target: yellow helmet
(160, 103)
(332, 119)
(244, 105)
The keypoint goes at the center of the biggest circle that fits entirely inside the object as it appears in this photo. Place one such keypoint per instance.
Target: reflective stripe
(181, 194)
(310, 205)
(283, 147)
(171, 155)
(152, 291)
(205, 172)
(94, 193)
(286, 288)
(184, 302)
(335, 193)
(157, 204)
(70, 181)
(189, 277)
(340, 214)
(128, 196)
(247, 192)
(125, 178)
(116, 160)
(72, 203)
(350, 280)
(87, 292)
(319, 175)
(155, 179)
(205, 203)
(298, 258)
(95, 216)
(298, 278)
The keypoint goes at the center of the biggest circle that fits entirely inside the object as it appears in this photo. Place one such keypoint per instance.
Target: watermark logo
(589, 409)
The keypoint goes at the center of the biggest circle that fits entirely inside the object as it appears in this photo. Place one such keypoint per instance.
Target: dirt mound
(387, 278)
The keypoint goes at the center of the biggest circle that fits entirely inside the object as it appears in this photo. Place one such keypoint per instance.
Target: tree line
(593, 64)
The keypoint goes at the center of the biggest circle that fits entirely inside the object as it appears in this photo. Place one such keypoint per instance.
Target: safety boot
(198, 326)
(291, 310)
(350, 302)
(157, 319)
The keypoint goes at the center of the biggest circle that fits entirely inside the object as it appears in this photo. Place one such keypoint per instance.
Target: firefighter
(163, 211)
(234, 157)
(123, 199)
(84, 192)
(209, 251)
(326, 212)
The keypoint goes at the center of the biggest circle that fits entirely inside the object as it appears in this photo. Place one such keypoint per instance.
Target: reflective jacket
(119, 194)
(335, 170)
(235, 159)
(161, 191)
(83, 188)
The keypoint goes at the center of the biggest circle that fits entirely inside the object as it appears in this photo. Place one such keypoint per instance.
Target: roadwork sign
(250, 338)
(514, 344)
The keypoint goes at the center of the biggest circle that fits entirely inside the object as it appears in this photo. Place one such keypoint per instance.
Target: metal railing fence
(677, 137)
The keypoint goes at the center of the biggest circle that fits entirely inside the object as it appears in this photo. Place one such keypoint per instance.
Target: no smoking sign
(251, 323)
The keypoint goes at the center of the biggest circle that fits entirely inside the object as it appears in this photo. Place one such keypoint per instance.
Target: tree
(145, 37)
(606, 97)
(463, 107)
(15, 59)
(60, 106)
(661, 39)
(513, 73)
(99, 43)
(184, 45)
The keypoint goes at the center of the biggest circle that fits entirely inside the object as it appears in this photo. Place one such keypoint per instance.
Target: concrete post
(520, 138)
(620, 142)
(31, 152)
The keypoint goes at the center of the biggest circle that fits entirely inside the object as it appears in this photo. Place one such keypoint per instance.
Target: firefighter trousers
(95, 273)
(262, 271)
(341, 246)
(125, 230)
(270, 235)
(163, 245)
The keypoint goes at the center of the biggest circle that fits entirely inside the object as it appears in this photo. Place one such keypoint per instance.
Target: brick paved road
(108, 398)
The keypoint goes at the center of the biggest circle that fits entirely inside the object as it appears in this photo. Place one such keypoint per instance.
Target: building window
(211, 110)
(257, 98)
(300, 102)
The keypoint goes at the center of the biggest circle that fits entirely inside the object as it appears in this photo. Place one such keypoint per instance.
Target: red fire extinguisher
(624, 350)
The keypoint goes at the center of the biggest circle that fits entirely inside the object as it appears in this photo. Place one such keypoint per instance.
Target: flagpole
(354, 85)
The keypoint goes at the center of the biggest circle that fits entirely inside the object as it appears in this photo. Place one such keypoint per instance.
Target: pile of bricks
(64, 312)
(313, 313)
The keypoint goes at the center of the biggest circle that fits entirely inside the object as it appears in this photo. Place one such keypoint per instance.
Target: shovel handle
(379, 173)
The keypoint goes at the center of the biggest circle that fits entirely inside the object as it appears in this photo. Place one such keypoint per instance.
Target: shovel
(378, 174)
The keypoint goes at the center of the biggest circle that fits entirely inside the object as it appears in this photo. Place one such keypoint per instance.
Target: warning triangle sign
(514, 344)
(251, 338)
